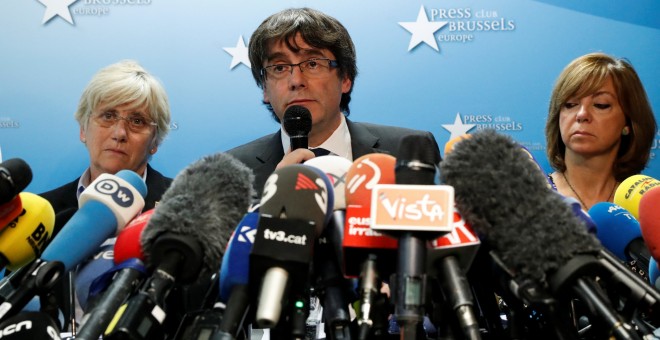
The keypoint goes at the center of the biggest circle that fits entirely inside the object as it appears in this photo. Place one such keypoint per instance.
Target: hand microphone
(620, 232)
(630, 192)
(333, 289)
(505, 198)
(107, 204)
(415, 211)
(295, 205)
(185, 238)
(29, 325)
(359, 239)
(649, 221)
(448, 259)
(126, 276)
(15, 175)
(297, 122)
(368, 254)
(26, 236)
(235, 274)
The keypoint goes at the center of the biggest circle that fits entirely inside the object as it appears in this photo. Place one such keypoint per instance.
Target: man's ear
(83, 139)
(346, 85)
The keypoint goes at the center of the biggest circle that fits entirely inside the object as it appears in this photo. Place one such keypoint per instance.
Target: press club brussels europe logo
(67, 9)
(455, 25)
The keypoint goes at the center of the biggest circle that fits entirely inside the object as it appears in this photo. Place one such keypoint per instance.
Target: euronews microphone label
(401, 207)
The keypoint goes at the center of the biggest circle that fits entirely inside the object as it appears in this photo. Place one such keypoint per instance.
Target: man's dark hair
(318, 30)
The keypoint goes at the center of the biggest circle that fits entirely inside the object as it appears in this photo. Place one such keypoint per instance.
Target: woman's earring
(625, 131)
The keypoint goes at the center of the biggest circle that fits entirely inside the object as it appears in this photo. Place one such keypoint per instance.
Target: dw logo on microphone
(122, 196)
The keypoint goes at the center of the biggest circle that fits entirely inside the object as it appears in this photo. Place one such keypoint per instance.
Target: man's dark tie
(320, 152)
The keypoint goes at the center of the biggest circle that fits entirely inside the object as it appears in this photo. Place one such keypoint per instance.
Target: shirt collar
(339, 143)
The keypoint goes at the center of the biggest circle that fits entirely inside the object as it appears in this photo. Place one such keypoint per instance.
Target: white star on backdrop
(458, 128)
(239, 54)
(423, 30)
(57, 7)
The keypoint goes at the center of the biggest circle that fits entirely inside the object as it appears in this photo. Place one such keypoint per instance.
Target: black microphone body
(123, 284)
(416, 164)
(297, 122)
(29, 325)
(15, 175)
(331, 286)
(295, 207)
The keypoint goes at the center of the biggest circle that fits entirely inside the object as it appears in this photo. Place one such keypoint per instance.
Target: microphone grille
(297, 120)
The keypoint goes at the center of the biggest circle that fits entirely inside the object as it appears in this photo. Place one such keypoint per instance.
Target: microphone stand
(72, 304)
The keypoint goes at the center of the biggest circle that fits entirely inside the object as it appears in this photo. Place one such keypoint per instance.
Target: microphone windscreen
(29, 325)
(25, 237)
(336, 168)
(631, 190)
(127, 245)
(616, 227)
(649, 221)
(298, 191)
(364, 174)
(205, 201)
(235, 268)
(106, 205)
(15, 175)
(506, 199)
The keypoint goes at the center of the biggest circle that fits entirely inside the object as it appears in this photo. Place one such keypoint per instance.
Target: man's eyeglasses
(136, 123)
(316, 67)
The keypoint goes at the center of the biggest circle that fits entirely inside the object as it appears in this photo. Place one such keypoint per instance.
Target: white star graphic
(458, 128)
(239, 54)
(57, 7)
(423, 30)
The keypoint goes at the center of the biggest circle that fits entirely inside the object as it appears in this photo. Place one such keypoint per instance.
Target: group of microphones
(476, 246)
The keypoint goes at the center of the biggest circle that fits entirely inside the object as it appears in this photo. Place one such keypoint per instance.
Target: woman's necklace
(580, 198)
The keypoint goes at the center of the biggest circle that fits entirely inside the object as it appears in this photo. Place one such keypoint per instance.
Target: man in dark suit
(123, 115)
(305, 57)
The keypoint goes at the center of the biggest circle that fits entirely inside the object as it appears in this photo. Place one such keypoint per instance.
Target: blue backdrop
(443, 66)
